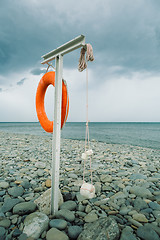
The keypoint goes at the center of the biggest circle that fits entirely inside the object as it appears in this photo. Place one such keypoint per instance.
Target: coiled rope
(89, 56)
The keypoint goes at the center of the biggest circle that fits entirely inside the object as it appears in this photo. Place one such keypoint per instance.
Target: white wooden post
(57, 54)
(56, 134)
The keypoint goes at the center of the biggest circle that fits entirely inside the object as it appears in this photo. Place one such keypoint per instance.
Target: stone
(103, 228)
(35, 224)
(140, 191)
(68, 196)
(154, 227)
(154, 206)
(24, 208)
(16, 232)
(88, 209)
(5, 223)
(124, 210)
(40, 172)
(136, 176)
(74, 231)
(147, 200)
(156, 214)
(28, 196)
(2, 233)
(112, 212)
(80, 207)
(43, 235)
(70, 205)
(134, 222)
(118, 195)
(139, 204)
(72, 175)
(90, 217)
(101, 213)
(48, 183)
(106, 178)
(147, 233)
(69, 169)
(80, 198)
(55, 234)
(152, 169)
(58, 223)
(9, 204)
(14, 220)
(140, 217)
(23, 236)
(80, 214)
(65, 214)
(4, 185)
(98, 187)
(127, 235)
(16, 191)
(44, 201)
(40, 165)
(26, 184)
(2, 193)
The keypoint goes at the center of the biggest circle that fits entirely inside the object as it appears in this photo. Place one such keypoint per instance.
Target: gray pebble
(70, 205)
(147, 233)
(24, 208)
(74, 231)
(139, 204)
(140, 191)
(5, 223)
(40, 172)
(2, 233)
(58, 223)
(55, 234)
(154, 206)
(16, 232)
(127, 235)
(23, 236)
(65, 214)
(4, 184)
(136, 176)
(9, 204)
(16, 191)
(26, 184)
(2, 193)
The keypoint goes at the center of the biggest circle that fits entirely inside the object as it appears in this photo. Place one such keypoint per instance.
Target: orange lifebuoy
(46, 80)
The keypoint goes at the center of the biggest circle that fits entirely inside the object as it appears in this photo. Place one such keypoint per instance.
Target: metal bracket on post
(57, 54)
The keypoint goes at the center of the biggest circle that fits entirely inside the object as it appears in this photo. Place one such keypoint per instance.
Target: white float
(84, 156)
(89, 152)
(87, 190)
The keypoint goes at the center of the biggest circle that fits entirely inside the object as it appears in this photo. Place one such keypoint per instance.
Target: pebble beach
(126, 205)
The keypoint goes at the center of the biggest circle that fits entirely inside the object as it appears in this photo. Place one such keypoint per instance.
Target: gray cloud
(123, 34)
(38, 71)
(21, 81)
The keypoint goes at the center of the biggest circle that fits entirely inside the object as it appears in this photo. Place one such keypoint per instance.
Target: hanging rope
(82, 65)
(88, 150)
(89, 56)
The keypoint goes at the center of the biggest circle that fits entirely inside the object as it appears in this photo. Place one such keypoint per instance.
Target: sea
(143, 134)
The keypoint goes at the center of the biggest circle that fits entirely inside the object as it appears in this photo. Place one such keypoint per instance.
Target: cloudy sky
(124, 79)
